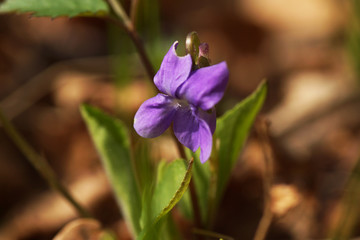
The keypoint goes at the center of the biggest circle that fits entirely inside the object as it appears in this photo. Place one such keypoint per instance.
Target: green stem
(193, 194)
(40, 164)
(128, 26)
(120, 12)
(134, 10)
(214, 172)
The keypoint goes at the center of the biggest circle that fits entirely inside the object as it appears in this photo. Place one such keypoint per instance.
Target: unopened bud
(204, 50)
(199, 51)
(192, 46)
(203, 60)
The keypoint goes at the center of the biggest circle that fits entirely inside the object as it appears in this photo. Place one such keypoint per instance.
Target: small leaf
(56, 8)
(232, 129)
(172, 182)
(112, 142)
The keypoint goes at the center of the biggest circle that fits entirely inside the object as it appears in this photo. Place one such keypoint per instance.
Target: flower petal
(205, 141)
(205, 86)
(192, 129)
(209, 118)
(154, 116)
(186, 128)
(174, 70)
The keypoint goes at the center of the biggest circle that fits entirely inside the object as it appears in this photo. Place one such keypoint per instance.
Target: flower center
(180, 103)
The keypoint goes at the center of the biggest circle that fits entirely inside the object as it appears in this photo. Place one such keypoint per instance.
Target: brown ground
(48, 67)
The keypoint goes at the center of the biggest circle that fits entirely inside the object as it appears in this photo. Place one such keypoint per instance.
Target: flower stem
(120, 12)
(128, 26)
(40, 164)
(193, 194)
(134, 10)
(214, 172)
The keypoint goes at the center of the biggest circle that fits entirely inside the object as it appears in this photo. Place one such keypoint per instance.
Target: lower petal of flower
(155, 116)
(194, 129)
(205, 141)
(209, 118)
(186, 128)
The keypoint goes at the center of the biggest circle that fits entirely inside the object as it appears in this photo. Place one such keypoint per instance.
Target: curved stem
(193, 194)
(134, 10)
(40, 164)
(142, 53)
(128, 26)
(214, 172)
(120, 12)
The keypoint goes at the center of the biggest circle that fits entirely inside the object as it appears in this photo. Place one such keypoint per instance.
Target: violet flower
(187, 99)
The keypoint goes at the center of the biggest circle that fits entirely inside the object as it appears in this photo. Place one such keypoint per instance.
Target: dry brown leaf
(283, 198)
(80, 229)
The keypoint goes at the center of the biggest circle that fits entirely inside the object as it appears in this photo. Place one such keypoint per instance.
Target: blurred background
(307, 50)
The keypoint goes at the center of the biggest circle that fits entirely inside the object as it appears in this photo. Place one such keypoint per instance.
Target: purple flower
(187, 99)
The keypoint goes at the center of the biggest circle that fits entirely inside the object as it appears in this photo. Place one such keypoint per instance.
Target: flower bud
(199, 52)
(192, 46)
(204, 50)
(203, 60)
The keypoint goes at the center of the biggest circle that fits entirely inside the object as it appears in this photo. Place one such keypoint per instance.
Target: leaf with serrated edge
(56, 8)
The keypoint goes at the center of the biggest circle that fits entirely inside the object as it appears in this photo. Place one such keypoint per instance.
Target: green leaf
(185, 206)
(201, 181)
(107, 235)
(56, 8)
(144, 164)
(172, 181)
(201, 177)
(111, 140)
(232, 130)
